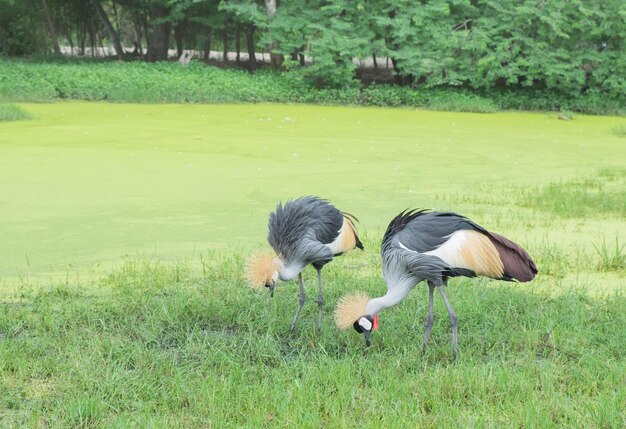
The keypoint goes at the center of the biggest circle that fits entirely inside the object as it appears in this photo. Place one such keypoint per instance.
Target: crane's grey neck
(289, 271)
(395, 293)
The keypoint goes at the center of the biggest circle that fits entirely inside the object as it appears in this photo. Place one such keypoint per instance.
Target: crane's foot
(429, 327)
(455, 343)
(297, 316)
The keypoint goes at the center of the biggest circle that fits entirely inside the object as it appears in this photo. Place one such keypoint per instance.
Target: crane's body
(303, 231)
(434, 246)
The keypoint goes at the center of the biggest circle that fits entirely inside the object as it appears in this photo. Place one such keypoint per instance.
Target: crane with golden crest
(304, 231)
(433, 246)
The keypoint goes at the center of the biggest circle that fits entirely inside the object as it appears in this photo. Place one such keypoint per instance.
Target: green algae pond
(87, 185)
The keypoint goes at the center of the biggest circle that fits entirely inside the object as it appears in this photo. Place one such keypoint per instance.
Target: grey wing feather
(310, 251)
(429, 230)
(412, 233)
(399, 262)
(299, 229)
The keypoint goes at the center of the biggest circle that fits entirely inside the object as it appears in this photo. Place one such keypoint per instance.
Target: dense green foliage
(171, 83)
(574, 47)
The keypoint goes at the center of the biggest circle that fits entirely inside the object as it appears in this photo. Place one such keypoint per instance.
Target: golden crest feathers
(259, 269)
(350, 308)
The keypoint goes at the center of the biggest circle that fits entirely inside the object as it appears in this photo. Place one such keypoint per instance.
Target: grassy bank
(169, 347)
(173, 83)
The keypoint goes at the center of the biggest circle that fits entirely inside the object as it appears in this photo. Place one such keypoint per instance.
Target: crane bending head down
(305, 231)
(434, 246)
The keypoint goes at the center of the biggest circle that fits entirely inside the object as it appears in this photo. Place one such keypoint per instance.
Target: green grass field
(125, 228)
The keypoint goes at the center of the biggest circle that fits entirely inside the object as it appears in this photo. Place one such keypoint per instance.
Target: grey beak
(368, 338)
(272, 290)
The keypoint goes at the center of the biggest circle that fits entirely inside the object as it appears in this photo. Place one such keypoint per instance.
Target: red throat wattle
(375, 327)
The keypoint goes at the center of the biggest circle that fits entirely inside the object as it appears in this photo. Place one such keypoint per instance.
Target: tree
(248, 14)
(51, 27)
(159, 31)
(276, 58)
(574, 47)
(113, 36)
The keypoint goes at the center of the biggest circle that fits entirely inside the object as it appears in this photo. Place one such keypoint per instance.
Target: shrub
(11, 112)
(169, 82)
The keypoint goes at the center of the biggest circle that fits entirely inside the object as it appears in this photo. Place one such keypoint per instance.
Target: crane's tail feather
(358, 242)
(518, 265)
(352, 220)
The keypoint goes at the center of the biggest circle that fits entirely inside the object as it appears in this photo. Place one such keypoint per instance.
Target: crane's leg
(453, 320)
(320, 300)
(300, 304)
(431, 317)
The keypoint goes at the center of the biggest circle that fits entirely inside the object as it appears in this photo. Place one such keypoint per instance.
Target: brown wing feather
(517, 262)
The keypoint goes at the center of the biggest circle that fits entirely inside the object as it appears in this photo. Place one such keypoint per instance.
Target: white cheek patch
(365, 324)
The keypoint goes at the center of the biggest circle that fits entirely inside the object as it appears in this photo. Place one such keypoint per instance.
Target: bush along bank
(169, 82)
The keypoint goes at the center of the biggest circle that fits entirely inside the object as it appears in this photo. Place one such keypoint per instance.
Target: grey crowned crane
(433, 246)
(303, 231)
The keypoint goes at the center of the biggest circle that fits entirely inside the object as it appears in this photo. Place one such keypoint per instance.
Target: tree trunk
(375, 62)
(92, 38)
(250, 42)
(159, 37)
(70, 41)
(238, 41)
(276, 59)
(5, 42)
(42, 40)
(51, 29)
(105, 52)
(179, 32)
(398, 78)
(225, 41)
(81, 39)
(207, 46)
(119, 51)
(139, 36)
